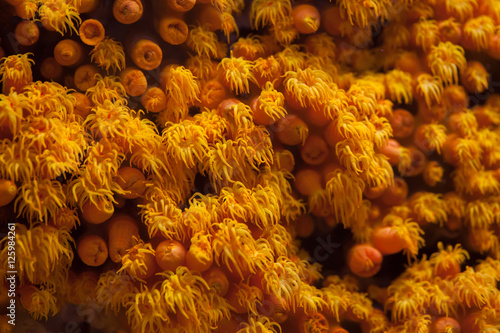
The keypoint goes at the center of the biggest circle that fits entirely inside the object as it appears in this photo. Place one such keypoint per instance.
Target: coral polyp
(59, 16)
(109, 54)
(265, 12)
(250, 166)
(445, 60)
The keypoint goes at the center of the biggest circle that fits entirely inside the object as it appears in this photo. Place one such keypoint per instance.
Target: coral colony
(178, 163)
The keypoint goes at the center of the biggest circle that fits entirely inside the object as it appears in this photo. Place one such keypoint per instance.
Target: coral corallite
(250, 166)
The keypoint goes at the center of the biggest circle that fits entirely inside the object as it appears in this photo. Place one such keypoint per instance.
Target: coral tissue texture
(250, 166)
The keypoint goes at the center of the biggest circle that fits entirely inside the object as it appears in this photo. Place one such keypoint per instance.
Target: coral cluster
(177, 162)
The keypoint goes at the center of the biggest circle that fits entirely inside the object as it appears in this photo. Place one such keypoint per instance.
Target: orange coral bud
(433, 114)
(409, 62)
(173, 30)
(8, 191)
(291, 130)
(387, 240)
(484, 116)
(97, 213)
(181, 5)
(392, 150)
(222, 21)
(446, 325)
(121, 229)
(170, 254)
(199, 256)
(279, 308)
(329, 170)
(402, 123)
(85, 77)
(212, 94)
(91, 32)
(307, 181)
(455, 98)
(132, 181)
(146, 54)
(208, 16)
(92, 250)
(134, 81)
(68, 52)
(374, 192)
(127, 11)
(318, 117)
(82, 104)
(493, 48)
(314, 151)
(333, 21)
(27, 33)
(364, 260)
